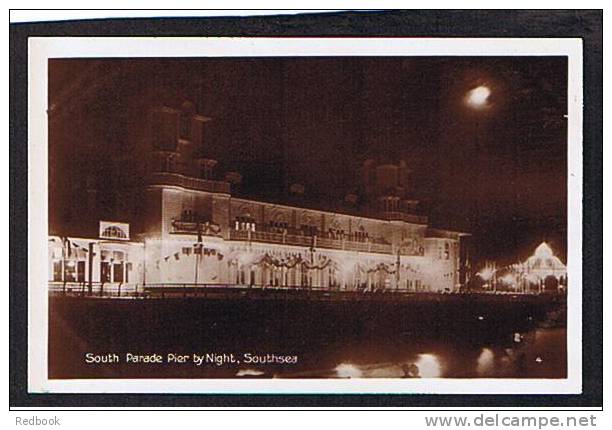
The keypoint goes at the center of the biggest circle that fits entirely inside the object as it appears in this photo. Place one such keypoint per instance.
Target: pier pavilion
(178, 221)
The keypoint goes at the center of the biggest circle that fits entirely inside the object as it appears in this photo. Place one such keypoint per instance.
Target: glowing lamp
(478, 97)
(486, 274)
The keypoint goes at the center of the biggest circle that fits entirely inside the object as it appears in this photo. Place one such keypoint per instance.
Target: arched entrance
(551, 283)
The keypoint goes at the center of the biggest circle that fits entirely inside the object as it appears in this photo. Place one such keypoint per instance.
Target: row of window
(200, 250)
(118, 272)
(249, 224)
(389, 205)
(306, 279)
(358, 236)
(74, 271)
(414, 285)
(244, 224)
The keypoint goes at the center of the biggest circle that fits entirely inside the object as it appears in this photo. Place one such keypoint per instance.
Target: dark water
(452, 338)
(540, 353)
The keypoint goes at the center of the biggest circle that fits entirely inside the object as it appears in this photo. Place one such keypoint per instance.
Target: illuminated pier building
(175, 221)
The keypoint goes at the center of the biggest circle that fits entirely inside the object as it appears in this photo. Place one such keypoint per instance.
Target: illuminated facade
(543, 270)
(539, 272)
(189, 228)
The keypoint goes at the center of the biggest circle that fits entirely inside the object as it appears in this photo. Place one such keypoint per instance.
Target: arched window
(114, 232)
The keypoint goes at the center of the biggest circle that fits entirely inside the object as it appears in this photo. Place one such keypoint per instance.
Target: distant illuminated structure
(541, 271)
(544, 268)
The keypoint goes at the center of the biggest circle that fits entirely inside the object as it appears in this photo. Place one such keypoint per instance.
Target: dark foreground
(433, 335)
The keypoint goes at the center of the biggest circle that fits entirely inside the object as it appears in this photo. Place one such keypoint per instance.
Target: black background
(431, 23)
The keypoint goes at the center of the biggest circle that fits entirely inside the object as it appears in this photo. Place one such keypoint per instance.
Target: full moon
(478, 97)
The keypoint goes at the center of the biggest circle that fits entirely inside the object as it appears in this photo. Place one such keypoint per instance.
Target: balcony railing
(96, 289)
(206, 228)
(270, 237)
(402, 216)
(176, 179)
(302, 240)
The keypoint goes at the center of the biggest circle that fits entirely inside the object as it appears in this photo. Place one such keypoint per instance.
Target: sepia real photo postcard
(305, 215)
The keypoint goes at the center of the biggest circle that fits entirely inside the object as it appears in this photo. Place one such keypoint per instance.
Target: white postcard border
(41, 49)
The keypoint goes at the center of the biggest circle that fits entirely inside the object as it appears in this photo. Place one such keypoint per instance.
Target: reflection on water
(485, 365)
(346, 370)
(429, 366)
(249, 372)
(538, 354)
(487, 339)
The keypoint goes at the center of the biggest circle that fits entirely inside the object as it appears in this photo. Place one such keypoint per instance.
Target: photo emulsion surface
(308, 217)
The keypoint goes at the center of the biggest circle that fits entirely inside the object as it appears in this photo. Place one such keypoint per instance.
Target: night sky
(499, 172)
